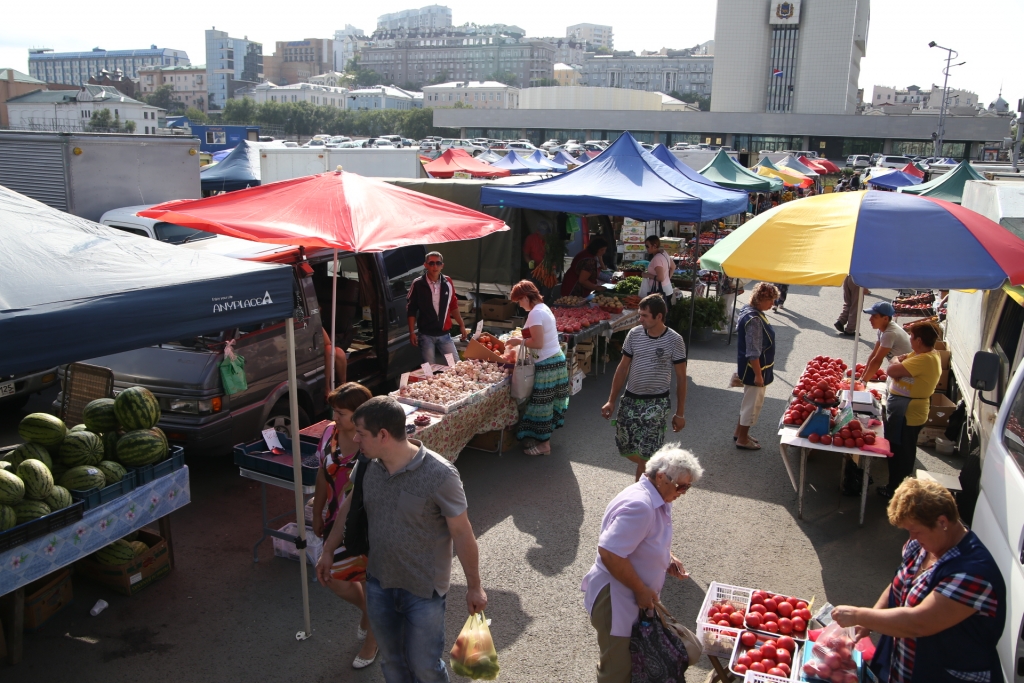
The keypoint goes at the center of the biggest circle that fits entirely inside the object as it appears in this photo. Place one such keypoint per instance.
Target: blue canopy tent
(514, 163)
(890, 181)
(219, 156)
(567, 159)
(236, 171)
(541, 160)
(665, 155)
(625, 180)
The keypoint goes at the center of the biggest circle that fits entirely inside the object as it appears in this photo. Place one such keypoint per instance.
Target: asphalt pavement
(220, 616)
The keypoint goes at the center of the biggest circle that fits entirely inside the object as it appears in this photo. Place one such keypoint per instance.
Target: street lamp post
(941, 132)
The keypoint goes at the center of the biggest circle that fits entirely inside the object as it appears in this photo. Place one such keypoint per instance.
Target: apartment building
(188, 83)
(75, 68)
(595, 35)
(672, 70)
(231, 63)
(475, 94)
(296, 61)
(320, 95)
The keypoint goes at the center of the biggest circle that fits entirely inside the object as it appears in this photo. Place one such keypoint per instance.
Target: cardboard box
(630, 247)
(582, 364)
(941, 409)
(46, 597)
(499, 309)
(489, 441)
(928, 435)
(633, 256)
(633, 239)
(941, 346)
(130, 578)
(477, 351)
(576, 385)
(465, 306)
(944, 357)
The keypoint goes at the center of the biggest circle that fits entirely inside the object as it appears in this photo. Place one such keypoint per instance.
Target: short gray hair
(674, 460)
(433, 253)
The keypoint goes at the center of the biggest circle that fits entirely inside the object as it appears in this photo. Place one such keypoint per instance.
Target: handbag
(657, 653)
(357, 526)
(523, 376)
(694, 649)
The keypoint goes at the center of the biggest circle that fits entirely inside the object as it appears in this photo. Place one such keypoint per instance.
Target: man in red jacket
(431, 307)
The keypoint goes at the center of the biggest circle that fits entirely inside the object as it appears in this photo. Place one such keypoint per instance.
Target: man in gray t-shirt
(892, 339)
(416, 515)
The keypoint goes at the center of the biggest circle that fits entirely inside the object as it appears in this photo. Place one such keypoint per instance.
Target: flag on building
(776, 72)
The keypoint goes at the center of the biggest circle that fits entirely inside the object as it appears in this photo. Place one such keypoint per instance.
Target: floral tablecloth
(99, 527)
(448, 434)
(630, 317)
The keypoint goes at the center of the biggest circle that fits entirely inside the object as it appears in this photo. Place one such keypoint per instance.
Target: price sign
(428, 371)
(479, 327)
(451, 361)
(404, 381)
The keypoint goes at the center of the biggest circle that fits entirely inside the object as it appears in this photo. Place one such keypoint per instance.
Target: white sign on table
(451, 361)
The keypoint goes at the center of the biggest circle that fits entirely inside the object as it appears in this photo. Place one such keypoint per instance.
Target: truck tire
(280, 418)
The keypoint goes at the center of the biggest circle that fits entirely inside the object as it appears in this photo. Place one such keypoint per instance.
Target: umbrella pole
(300, 517)
(856, 340)
(334, 319)
(732, 316)
(693, 287)
(479, 260)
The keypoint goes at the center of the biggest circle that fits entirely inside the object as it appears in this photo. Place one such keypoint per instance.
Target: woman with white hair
(634, 552)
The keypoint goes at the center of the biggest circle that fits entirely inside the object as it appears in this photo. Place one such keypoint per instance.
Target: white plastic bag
(522, 377)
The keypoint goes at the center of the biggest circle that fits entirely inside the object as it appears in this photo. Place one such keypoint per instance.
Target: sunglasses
(435, 263)
(680, 488)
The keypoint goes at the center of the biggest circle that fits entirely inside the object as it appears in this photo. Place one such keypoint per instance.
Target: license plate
(6, 389)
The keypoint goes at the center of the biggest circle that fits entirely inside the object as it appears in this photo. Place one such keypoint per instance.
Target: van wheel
(280, 418)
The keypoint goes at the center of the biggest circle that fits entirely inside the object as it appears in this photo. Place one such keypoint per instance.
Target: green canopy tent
(950, 186)
(725, 172)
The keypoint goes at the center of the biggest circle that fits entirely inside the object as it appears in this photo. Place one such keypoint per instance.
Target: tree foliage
(304, 118)
(505, 77)
(545, 83)
(361, 77)
(164, 98)
(197, 115)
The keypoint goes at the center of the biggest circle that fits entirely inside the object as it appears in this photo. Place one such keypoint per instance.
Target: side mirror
(985, 374)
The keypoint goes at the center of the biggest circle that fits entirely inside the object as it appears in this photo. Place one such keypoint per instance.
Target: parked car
(892, 162)
(592, 146)
(383, 143)
(407, 142)
(573, 149)
(127, 220)
(395, 140)
(553, 142)
(337, 140)
(467, 145)
(858, 161)
(521, 148)
(315, 143)
(16, 390)
(289, 143)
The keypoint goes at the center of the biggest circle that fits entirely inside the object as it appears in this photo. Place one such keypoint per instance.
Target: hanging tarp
(950, 186)
(625, 180)
(725, 172)
(239, 169)
(454, 161)
(73, 289)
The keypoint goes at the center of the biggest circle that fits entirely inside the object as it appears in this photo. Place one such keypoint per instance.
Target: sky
(982, 31)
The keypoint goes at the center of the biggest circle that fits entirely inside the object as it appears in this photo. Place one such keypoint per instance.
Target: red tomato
(814, 438)
(717, 617)
(758, 667)
(771, 626)
(785, 667)
(713, 610)
(845, 433)
(782, 656)
(855, 426)
(728, 609)
(748, 638)
(803, 613)
(776, 671)
(849, 443)
(725, 622)
(826, 439)
(754, 654)
(799, 625)
(837, 677)
(869, 439)
(745, 660)
(859, 442)
(787, 643)
(786, 608)
(758, 597)
(740, 669)
(771, 616)
(833, 661)
(768, 647)
(785, 625)
(736, 619)
(800, 604)
(760, 609)
(769, 663)
(771, 605)
(753, 620)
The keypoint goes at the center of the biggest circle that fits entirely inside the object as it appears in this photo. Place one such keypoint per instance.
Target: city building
(334, 79)
(71, 110)
(187, 82)
(383, 97)
(567, 50)
(462, 53)
(567, 74)
(789, 56)
(594, 35)
(666, 71)
(75, 68)
(231, 63)
(320, 95)
(348, 44)
(476, 94)
(116, 80)
(12, 84)
(296, 61)
(430, 17)
(598, 99)
(922, 99)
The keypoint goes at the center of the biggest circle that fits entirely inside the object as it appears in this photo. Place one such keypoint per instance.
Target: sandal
(752, 446)
(534, 450)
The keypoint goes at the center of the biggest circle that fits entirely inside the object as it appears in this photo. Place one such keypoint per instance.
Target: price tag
(428, 371)
(479, 327)
(451, 361)
(404, 381)
(270, 438)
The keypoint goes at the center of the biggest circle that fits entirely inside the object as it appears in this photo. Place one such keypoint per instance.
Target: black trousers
(904, 455)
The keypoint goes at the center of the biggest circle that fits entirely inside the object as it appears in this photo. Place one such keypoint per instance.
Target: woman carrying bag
(550, 398)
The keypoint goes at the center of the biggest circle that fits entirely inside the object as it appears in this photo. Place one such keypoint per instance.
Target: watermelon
(118, 552)
(136, 408)
(42, 428)
(58, 470)
(138, 547)
(31, 451)
(141, 447)
(59, 498)
(37, 478)
(6, 465)
(78, 428)
(167, 444)
(12, 488)
(112, 472)
(99, 416)
(81, 448)
(8, 519)
(27, 510)
(133, 536)
(110, 445)
(83, 478)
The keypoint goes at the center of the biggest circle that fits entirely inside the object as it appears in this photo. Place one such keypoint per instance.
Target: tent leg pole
(732, 316)
(300, 517)
(856, 338)
(479, 258)
(693, 289)
(334, 320)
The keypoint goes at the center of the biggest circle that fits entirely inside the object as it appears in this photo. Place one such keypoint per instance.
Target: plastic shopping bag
(832, 655)
(232, 371)
(473, 654)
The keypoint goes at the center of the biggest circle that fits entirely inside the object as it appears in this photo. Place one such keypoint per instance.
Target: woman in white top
(658, 278)
(550, 398)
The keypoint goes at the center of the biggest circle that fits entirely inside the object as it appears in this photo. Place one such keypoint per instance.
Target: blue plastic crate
(255, 456)
(41, 526)
(98, 496)
(147, 473)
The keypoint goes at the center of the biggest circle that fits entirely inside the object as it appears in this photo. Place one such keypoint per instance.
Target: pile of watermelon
(37, 477)
(573, 320)
(121, 551)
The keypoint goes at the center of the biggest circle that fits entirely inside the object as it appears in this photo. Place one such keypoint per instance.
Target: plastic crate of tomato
(760, 654)
(719, 639)
(776, 614)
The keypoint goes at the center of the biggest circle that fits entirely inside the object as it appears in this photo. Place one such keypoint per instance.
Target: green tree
(163, 97)
(196, 115)
(362, 77)
(545, 83)
(241, 110)
(602, 51)
(129, 126)
(704, 103)
(101, 120)
(441, 77)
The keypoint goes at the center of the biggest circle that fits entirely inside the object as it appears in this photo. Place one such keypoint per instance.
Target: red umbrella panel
(335, 210)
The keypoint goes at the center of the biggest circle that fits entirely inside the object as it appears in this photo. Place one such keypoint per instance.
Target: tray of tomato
(770, 655)
(774, 614)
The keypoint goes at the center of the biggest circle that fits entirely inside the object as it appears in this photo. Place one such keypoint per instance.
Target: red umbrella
(913, 170)
(455, 160)
(336, 210)
(824, 165)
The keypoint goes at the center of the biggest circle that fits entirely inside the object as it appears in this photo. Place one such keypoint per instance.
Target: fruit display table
(269, 530)
(100, 526)
(447, 434)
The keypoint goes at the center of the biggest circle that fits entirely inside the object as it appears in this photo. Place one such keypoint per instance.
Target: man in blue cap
(892, 339)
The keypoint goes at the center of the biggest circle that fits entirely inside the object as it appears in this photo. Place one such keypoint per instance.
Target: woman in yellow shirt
(913, 378)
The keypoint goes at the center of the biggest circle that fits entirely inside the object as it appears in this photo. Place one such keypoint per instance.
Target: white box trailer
(290, 162)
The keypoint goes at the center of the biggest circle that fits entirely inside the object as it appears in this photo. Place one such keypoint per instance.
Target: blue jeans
(410, 633)
(442, 344)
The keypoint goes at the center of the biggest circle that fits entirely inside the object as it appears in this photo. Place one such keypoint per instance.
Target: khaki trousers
(615, 665)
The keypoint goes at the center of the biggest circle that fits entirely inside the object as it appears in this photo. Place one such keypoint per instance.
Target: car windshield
(179, 234)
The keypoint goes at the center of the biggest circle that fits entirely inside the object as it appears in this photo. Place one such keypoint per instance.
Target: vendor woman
(581, 278)
(942, 616)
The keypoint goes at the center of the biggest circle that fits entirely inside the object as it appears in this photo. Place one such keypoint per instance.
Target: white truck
(985, 334)
(285, 163)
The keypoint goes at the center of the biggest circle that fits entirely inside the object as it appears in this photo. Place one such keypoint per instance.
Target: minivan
(893, 162)
(858, 161)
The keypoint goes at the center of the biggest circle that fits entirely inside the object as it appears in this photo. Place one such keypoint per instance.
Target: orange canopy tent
(455, 160)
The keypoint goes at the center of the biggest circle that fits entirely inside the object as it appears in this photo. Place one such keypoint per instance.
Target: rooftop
(467, 85)
(18, 77)
(388, 90)
(185, 67)
(97, 52)
(97, 93)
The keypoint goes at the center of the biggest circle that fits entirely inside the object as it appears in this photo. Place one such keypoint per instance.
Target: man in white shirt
(892, 339)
